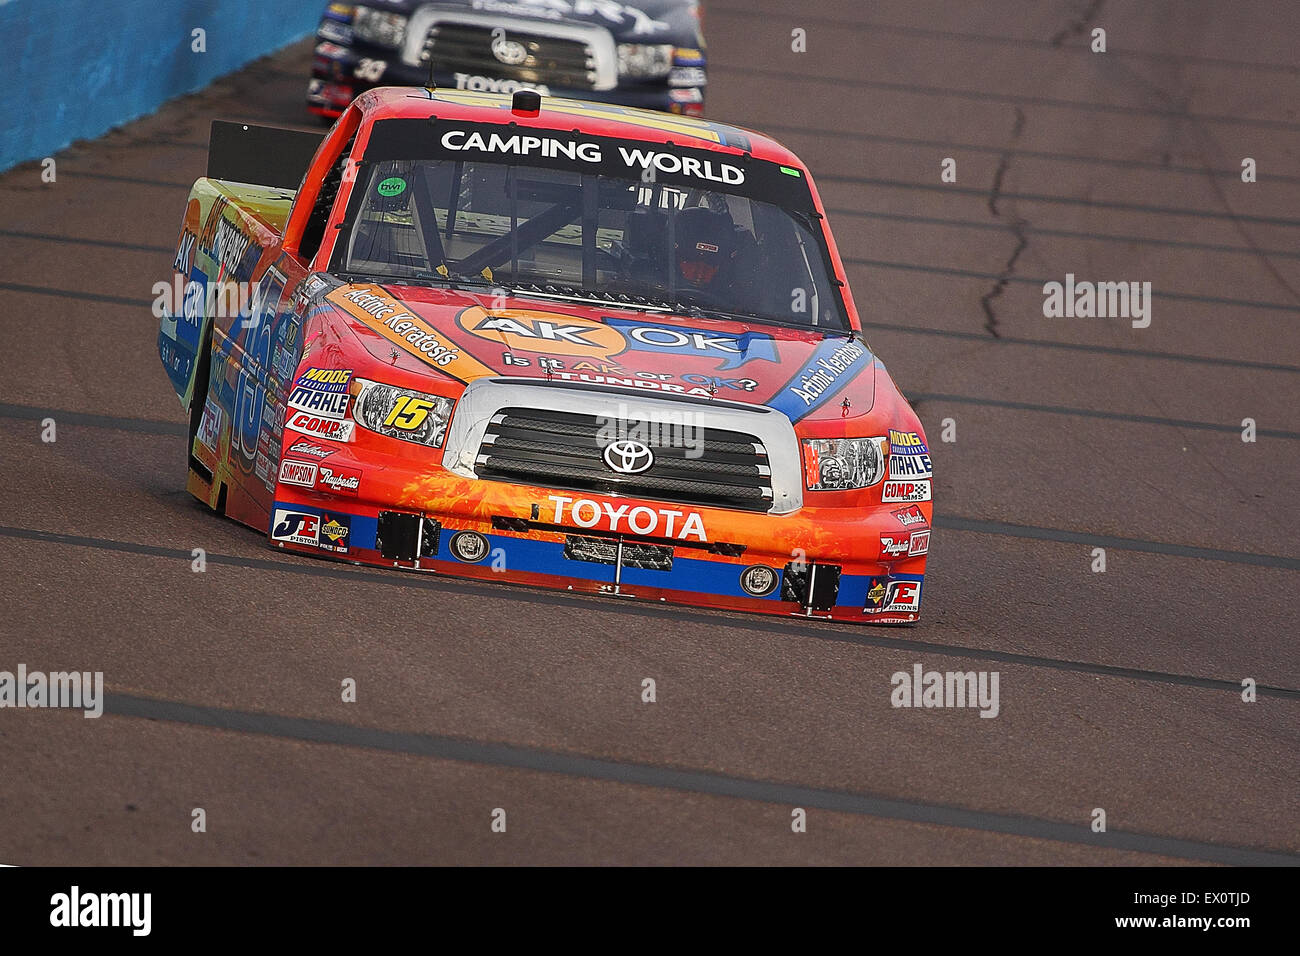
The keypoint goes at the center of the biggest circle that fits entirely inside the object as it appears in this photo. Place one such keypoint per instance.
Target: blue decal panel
(833, 364)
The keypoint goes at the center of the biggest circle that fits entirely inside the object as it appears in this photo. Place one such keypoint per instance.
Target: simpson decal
(298, 473)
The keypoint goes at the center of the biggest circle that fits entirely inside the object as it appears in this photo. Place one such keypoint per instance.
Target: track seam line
(1081, 347)
(1070, 234)
(89, 241)
(32, 413)
(468, 587)
(1233, 174)
(1094, 413)
(1047, 45)
(1027, 280)
(979, 96)
(501, 755)
(1114, 204)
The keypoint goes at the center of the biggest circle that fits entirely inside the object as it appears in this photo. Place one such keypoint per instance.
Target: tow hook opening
(814, 586)
(407, 537)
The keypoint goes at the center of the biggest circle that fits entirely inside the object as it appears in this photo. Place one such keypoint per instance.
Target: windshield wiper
(576, 294)
(745, 317)
(458, 281)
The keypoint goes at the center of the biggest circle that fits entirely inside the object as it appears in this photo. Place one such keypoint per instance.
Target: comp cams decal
(310, 424)
(905, 491)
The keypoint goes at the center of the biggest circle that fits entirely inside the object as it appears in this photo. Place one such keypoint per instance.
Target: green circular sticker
(393, 186)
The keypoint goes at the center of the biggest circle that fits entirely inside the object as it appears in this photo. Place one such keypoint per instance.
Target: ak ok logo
(552, 333)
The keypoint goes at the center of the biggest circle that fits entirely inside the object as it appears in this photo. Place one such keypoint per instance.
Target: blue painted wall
(76, 68)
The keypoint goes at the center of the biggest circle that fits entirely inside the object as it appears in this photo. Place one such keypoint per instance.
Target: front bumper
(822, 562)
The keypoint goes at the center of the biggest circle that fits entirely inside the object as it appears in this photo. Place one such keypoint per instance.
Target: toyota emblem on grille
(628, 457)
(509, 52)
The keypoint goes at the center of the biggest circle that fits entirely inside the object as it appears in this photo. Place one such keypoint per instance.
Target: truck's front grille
(565, 450)
(650, 557)
(524, 57)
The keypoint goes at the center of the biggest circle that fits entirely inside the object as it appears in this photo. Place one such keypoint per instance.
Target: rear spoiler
(260, 155)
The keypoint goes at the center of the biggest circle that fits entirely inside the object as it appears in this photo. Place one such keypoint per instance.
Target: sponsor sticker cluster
(895, 546)
(910, 469)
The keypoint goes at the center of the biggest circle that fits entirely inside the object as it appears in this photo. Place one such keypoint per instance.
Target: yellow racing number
(409, 413)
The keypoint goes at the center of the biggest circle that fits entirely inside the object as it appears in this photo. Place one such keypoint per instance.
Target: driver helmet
(704, 241)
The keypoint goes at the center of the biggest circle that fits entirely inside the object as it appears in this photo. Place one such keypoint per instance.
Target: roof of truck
(557, 113)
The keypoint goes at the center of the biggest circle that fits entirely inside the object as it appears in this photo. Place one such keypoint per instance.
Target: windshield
(569, 233)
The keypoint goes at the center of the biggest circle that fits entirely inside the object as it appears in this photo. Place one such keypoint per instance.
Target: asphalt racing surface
(1120, 690)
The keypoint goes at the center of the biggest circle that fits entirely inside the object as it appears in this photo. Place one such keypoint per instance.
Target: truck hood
(455, 335)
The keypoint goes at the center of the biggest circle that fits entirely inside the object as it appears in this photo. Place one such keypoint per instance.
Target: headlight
(839, 464)
(644, 61)
(379, 27)
(401, 413)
